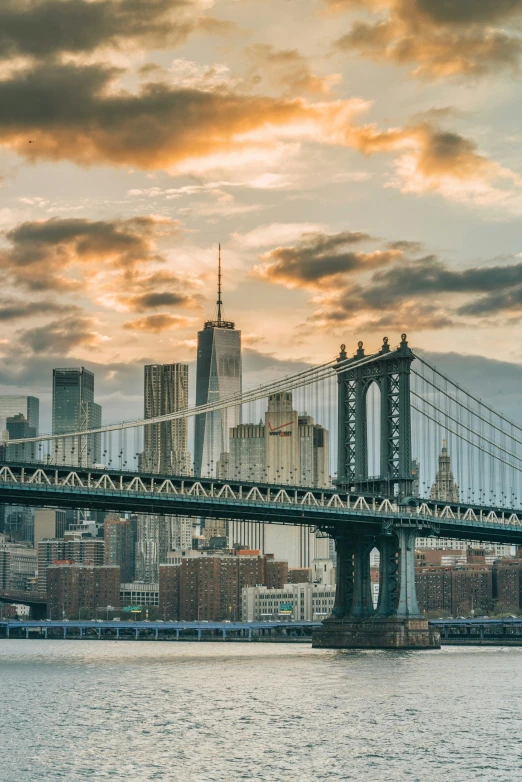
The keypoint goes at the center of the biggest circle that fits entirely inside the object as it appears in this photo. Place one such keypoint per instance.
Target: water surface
(209, 712)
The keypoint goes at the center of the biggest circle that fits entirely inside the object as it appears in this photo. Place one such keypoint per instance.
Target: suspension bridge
(390, 409)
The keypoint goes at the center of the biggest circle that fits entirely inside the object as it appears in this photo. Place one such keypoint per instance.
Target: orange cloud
(116, 261)
(441, 38)
(77, 113)
(286, 70)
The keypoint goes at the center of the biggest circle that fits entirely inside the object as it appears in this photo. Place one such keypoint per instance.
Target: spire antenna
(219, 321)
(219, 302)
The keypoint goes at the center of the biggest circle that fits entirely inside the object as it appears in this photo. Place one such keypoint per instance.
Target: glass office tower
(12, 405)
(74, 410)
(218, 376)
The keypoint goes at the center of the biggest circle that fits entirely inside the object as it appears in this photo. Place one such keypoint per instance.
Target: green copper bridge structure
(415, 410)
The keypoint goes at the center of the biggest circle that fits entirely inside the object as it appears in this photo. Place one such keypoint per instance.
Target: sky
(358, 160)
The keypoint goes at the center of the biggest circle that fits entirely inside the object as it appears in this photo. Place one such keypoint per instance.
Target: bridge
(387, 413)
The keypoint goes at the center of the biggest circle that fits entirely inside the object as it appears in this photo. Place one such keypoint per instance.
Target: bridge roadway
(327, 509)
(456, 632)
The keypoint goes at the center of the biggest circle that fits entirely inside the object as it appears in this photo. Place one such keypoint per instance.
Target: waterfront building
(74, 410)
(300, 602)
(83, 591)
(165, 448)
(138, 593)
(204, 586)
(218, 376)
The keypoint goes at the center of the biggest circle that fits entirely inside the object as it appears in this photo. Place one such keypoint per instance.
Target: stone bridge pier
(396, 623)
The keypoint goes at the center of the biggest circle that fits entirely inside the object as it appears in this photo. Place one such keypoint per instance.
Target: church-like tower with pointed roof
(444, 487)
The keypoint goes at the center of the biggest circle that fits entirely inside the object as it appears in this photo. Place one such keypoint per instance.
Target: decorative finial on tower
(342, 354)
(385, 347)
(360, 350)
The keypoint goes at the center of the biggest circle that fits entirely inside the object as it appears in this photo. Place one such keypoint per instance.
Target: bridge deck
(328, 509)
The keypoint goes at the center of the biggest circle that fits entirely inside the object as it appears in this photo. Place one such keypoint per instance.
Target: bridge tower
(396, 623)
(390, 370)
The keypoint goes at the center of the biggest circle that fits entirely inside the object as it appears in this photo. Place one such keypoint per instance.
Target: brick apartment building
(210, 587)
(89, 551)
(79, 591)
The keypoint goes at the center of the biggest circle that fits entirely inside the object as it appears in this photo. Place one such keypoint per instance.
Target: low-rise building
(138, 593)
(303, 602)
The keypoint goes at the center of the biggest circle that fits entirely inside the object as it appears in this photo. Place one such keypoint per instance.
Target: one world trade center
(218, 377)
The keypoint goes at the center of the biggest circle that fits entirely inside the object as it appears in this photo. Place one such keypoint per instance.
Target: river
(221, 712)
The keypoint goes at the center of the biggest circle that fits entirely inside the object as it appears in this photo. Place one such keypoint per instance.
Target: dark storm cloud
(44, 28)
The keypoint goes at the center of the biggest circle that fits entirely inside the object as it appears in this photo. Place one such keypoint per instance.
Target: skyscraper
(18, 521)
(28, 406)
(152, 545)
(74, 410)
(18, 428)
(290, 449)
(218, 377)
(120, 544)
(166, 444)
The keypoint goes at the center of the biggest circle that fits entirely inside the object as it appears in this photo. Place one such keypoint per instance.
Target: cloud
(46, 28)
(11, 310)
(440, 38)
(117, 262)
(286, 70)
(265, 235)
(61, 336)
(80, 114)
(320, 259)
(433, 159)
(392, 286)
(157, 323)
